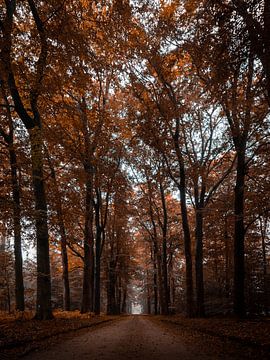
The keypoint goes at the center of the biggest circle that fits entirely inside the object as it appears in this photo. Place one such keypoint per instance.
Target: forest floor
(253, 332)
(224, 337)
(20, 334)
(135, 337)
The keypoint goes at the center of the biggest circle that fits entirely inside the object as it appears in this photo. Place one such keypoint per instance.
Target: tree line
(130, 128)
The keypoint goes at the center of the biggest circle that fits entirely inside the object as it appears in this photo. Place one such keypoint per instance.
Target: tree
(234, 81)
(33, 125)
(8, 137)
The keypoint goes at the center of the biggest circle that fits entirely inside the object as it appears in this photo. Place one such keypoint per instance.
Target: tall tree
(33, 124)
(235, 83)
(8, 137)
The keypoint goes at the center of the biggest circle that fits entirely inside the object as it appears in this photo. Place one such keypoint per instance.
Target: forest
(134, 152)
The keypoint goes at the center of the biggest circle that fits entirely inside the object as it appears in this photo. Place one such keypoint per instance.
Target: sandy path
(134, 337)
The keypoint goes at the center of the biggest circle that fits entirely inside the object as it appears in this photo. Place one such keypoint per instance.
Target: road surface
(134, 337)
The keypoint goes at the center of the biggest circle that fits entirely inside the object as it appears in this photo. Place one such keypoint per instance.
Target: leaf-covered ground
(243, 339)
(255, 332)
(19, 334)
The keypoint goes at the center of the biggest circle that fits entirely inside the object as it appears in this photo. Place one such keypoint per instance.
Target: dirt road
(134, 337)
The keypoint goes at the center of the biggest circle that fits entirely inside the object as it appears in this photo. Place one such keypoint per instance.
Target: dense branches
(144, 127)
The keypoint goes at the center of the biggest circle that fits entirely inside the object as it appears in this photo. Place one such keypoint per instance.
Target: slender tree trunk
(118, 293)
(111, 301)
(199, 263)
(97, 270)
(188, 256)
(160, 284)
(19, 286)
(63, 241)
(148, 301)
(165, 277)
(266, 290)
(124, 301)
(64, 256)
(185, 224)
(155, 286)
(157, 260)
(88, 278)
(172, 290)
(171, 283)
(16, 196)
(227, 278)
(166, 295)
(43, 306)
(239, 235)
(8, 296)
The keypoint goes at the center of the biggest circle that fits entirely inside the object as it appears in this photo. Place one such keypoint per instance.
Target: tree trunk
(43, 305)
(199, 263)
(264, 256)
(124, 302)
(19, 286)
(148, 301)
(118, 294)
(239, 235)
(63, 242)
(227, 259)
(172, 296)
(97, 270)
(166, 294)
(157, 260)
(88, 270)
(155, 286)
(64, 256)
(8, 296)
(111, 301)
(188, 256)
(185, 223)
(160, 284)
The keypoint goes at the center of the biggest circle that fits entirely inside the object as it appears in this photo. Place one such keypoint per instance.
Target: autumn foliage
(134, 143)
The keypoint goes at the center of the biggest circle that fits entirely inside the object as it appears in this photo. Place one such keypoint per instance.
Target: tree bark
(157, 260)
(43, 306)
(227, 258)
(239, 234)
(124, 301)
(111, 296)
(185, 223)
(199, 263)
(33, 126)
(63, 241)
(88, 271)
(264, 256)
(155, 285)
(188, 256)
(16, 196)
(19, 285)
(97, 270)
(64, 257)
(166, 295)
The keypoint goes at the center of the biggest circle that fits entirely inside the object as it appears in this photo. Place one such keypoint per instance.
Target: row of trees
(56, 88)
(176, 91)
